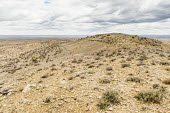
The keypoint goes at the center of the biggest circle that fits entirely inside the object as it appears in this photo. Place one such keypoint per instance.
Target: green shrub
(162, 89)
(91, 72)
(111, 97)
(103, 105)
(150, 96)
(108, 98)
(34, 60)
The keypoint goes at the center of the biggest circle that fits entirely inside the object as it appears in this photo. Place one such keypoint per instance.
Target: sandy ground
(166, 40)
(71, 76)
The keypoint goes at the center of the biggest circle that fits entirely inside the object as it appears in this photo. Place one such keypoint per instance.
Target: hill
(103, 73)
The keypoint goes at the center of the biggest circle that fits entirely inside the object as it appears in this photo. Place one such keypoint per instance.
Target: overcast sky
(84, 17)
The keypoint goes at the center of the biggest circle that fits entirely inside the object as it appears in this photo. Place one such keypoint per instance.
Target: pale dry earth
(64, 76)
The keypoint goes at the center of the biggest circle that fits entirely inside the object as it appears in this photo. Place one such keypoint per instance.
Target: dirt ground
(73, 76)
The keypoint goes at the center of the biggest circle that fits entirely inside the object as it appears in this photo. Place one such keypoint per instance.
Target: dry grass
(125, 65)
(104, 81)
(109, 69)
(165, 63)
(134, 79)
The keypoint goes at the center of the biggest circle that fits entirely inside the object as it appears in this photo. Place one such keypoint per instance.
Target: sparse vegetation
(155, 86)
(142, 58)
(134, 79)
(165, 63)
(91, 72)
(125, 65)
(103, 104)
(109, 73)
(104, 81)
(150, 96)
(109, 69)
(91, 66)
(35, 60)
(162, 89)
(140, 64)
(70, 78)
(108, 98)
(79, 70)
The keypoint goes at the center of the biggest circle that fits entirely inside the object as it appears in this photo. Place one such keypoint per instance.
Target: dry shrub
(108, 98)
(150, 96)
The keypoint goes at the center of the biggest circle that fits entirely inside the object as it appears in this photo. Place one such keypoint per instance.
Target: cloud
(84, 17)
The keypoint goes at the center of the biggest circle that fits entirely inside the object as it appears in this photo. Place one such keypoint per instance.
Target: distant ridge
(40, 36)
(156, 36)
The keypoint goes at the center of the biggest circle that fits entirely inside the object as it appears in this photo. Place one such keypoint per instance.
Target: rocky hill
(112, 73)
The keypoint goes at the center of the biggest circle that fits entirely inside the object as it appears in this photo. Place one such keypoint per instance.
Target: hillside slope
(110, 73)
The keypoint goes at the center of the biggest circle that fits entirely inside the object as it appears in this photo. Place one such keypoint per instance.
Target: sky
(84, 17)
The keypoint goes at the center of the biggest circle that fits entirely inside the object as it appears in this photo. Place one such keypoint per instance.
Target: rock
(5, 90)
(28, 87)
(45, 76)
(71, 87)
(10, 93)
(99, 97)
(110, 109)
(60, 104)
(1, 83)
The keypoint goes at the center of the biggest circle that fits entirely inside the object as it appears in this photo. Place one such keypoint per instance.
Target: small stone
(28, 87)
(47, 100)
(110, 109)
(5, 90)
(44, 76)
(99, 97)
(1, 83)
(10, 93)
(60, 104)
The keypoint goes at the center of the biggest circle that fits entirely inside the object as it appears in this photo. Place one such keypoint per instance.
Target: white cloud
(84, 17)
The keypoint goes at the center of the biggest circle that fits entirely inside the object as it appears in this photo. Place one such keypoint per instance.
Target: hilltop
(103, 73)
